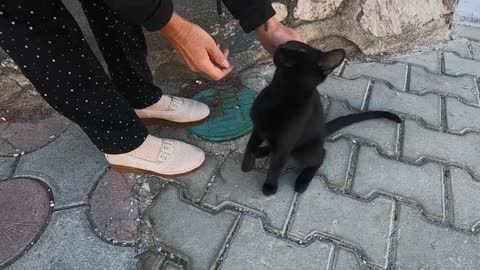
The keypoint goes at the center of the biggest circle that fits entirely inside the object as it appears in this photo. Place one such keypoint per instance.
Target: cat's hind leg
(307, 174)
(250, 152)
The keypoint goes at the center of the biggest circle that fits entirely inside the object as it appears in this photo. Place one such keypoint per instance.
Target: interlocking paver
(420, 142)
(70, 166)
(246, 189)
(20, 139)
(379, 131)
(365, 224)
(346, 261)
(393, 73)
(114, 210)
(252, 248)
(455, 65)
(423, 81)
(426, 246)
(466, 199)
(472, 33)
(422, 184)
(428, 59)
(426, 107)
(461, 117)
(196, 182)
(69, 243)
(459, 47)
(257, 78)
(194, 233)
(6, 167)
(351, 91)
(336, 161)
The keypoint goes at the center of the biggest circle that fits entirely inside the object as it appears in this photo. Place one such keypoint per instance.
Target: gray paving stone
(69, 243)
(420, 142)
(6, 167)
(336, 162)
(428, 59)
(476, 50)
(379, 131)
(426, 106)
(422, 81)
(461, 116)
(346, 261)
(393, 73)
(472, 33)
(191, 231)
(422, 184)
(455, 65)
(257, 78)
(426, 246)
(458, 46)
(466, 199)
(365, 224)
(196, 182)
(252, 248)
(246, 189)
(351, 91)
(70, 166)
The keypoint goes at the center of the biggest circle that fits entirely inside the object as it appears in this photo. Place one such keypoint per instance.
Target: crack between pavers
(228, 243)
(216, 174)
(368, 94)
(352, 167)
(332, 258)
(392, 236)
(69, 207)
(408, 73)
(447, 196)
(291, 214)
(470, 51)
(443, 115)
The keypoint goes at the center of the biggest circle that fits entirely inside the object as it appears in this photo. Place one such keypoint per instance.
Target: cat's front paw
(269, 189)
(300, 187)
(248, 163)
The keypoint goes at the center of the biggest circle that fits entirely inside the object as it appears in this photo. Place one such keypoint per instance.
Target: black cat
(288, 114)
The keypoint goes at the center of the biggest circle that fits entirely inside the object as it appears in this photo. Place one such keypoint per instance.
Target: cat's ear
(331, 60)
(285, 57)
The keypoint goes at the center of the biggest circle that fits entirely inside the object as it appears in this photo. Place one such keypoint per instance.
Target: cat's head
(306, 65)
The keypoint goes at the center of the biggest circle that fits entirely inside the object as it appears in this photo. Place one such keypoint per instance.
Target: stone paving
(387, 197)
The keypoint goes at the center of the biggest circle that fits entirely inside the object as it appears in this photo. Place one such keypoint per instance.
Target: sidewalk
(387, 196)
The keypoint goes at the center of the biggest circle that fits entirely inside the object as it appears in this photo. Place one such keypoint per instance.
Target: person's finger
(215, 72)
(217, 57)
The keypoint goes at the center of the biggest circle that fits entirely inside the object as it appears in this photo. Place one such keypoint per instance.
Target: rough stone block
(426, 107)
(309, 10)
(420, 142)
(336, 161)
(252, 248)
(194, 233)
(461, 116)
(365, 224)
(6, 167)
(427, 59)
(379, 131)
(346, 261)
(422, 184)
(455, 65)
(196, 182)
(393, 73)
(70, 166)
(426, 246)
(351, 91)
(69, 243)
(246, 189)
(466, 199)
(423, 81)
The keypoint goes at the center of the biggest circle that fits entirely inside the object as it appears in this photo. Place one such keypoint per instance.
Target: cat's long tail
(344, 121)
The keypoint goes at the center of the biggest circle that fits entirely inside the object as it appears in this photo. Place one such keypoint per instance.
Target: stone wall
(367, 26)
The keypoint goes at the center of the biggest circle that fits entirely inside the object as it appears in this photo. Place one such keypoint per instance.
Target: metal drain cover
(230, 113)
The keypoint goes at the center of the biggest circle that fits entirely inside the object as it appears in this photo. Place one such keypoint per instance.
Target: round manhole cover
(230, 113)
(24, 213)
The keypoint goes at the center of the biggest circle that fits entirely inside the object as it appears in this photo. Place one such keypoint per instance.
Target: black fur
(288, 114)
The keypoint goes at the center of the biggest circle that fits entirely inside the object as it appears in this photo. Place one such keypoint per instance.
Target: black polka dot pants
(46, 43)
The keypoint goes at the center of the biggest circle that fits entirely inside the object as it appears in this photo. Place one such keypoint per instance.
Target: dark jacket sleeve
(152, 14)
(250, 13)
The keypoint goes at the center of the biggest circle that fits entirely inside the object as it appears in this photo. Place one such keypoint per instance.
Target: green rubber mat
(230, 113)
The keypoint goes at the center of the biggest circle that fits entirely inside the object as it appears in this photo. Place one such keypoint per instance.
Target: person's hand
(197, 48)
(276, 35)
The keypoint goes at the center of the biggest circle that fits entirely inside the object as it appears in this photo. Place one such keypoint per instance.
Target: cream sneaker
(174, 110)
(160, 157)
